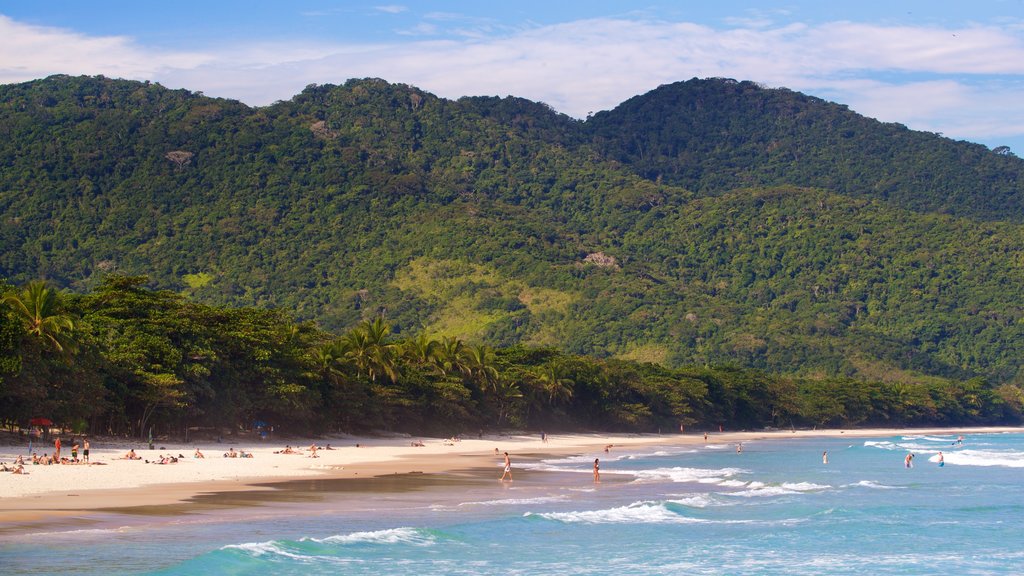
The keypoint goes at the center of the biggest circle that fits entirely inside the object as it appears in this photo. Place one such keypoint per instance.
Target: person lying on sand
(131, 455)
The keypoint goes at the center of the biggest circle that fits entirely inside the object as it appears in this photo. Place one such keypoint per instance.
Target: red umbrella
(40, 422)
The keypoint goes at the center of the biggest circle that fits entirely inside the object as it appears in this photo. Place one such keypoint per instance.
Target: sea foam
(1004, 458)
(636, 513)
(411, 536)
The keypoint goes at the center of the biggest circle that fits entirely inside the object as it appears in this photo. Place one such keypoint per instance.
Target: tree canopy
(151, 360)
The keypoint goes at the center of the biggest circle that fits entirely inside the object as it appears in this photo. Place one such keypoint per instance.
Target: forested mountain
(712, 136)
(707, 222)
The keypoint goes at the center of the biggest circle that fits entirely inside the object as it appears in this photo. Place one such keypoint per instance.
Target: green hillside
(714, 135)
(707, 222)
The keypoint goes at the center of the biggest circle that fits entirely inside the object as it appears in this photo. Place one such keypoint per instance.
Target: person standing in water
(508, 469)
(824, 457)
(597, 471)
(909, 460)
(942, 460)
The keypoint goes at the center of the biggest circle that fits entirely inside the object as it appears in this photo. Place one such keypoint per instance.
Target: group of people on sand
(231, 453)
(313, 449)
(74, 449)
(46, 459)
(56, 458)
(17, 467)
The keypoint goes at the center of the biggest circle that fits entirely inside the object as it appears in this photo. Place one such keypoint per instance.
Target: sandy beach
(112, 482)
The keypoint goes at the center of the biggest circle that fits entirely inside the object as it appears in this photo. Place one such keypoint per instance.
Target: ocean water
(775, 508)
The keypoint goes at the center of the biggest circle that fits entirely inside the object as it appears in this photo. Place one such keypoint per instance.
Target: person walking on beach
(508, 469)
(85, 450)
(56, 448)
(597, 471)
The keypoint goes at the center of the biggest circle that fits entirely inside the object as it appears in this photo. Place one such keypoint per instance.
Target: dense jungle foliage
(125, 359)
(708, 222)
(715, 135)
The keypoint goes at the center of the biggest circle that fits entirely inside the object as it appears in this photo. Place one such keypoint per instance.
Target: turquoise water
(775, 508)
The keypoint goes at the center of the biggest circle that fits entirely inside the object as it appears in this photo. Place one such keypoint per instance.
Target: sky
(953, 67)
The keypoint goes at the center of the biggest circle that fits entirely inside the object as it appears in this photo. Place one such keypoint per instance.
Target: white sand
(374, 456)
(62, 486)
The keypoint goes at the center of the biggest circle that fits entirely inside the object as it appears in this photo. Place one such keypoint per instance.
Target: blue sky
(947, 66)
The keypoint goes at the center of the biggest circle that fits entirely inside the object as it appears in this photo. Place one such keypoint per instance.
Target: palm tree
(368, 349)
(38, 307)
(480, 366)
(326, 358)
(423, 351)
(451, 356)
(557, 388)
(506, 392)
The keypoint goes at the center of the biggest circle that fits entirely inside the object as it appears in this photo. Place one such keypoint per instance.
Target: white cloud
(391, 9)
(975, 50)
(964, 82)
(28, 52)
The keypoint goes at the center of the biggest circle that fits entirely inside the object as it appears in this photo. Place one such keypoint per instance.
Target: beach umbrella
(40, 422)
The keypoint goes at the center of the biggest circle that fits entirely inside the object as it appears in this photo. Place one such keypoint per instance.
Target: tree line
(126, 360)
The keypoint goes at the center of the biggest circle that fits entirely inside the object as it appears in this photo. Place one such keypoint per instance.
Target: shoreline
(58, 491)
